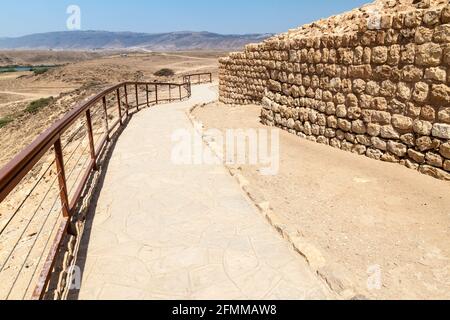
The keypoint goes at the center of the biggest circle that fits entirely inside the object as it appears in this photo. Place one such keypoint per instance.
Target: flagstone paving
(167, 231)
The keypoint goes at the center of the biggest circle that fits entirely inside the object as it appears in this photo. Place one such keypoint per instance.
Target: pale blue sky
(20, 17)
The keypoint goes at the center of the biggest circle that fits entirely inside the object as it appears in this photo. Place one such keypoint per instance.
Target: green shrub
(165, 73)
(38, 71)
(37, 105)
(4, 121)
(7, 70)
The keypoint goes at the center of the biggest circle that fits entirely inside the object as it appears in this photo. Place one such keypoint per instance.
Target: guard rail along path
(42, 187)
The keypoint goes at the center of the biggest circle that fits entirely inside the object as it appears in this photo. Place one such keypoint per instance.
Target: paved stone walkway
(164, 231)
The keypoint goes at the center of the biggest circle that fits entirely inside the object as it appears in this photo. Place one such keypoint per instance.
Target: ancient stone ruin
(373, 81)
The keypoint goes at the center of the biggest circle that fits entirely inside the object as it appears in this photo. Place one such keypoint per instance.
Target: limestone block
(389, 132)
(422, 127)
(445, 150)
(436, 74)
(399, 149)
(416, 156)
(402, 122)
(428, 54)
(434, 160)
(441, 130)
(379, 55)
(440, 94)
(442, 34)
(434, 172)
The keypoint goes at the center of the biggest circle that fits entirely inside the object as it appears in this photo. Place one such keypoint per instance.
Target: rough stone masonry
(373, 81)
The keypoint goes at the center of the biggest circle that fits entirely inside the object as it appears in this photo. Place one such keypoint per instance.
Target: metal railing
(198, 78)
(41, 187)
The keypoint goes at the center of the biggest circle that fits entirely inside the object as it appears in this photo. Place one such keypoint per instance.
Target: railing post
(199, 79)
(156, 92)
(106, 118)
(170, 93)
(137, 96)
(210, 77)
(179, 89)
(126, 100)
(62, 179)
(91, 138)
(146, 90)
(120, 107)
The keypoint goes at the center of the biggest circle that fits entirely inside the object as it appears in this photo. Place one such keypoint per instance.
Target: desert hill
(96, 40)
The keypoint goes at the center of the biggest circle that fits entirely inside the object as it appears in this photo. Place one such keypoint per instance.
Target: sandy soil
(356, 218)
(44, 57)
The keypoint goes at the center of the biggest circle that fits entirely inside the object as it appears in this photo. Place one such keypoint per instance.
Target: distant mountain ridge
(92, 40)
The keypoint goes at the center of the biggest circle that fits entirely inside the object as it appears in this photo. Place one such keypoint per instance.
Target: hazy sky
(22, 17)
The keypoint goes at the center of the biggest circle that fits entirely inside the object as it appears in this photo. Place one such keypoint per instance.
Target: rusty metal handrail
(15, 171)
(187, 78)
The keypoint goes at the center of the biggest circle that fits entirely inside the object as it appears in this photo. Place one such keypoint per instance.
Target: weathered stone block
(410, 73)
(428, 113)
(445, 15)
(372, 88)
(403, 91)
(358, 127)
(428, 54)
(374, 153)
(425, 144)
(422, 127)
(436, 74)
(402, 122)
(431, 17)
(416, 156)
(379, 55)
(389, 157)
(381, 117)
(434, 172)
(440, 94)
(362, 71)
(344, 125)
(423, 35)
(379, 103)
(409, 139)
(388, 132)
(434, 159)
(447, 165)
(408, 53)
(444, 150)
(442, 34)
(441, 130)
(399, 149)
(379, 143)
(444, 115)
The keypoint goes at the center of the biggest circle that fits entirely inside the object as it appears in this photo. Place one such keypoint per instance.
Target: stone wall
(380, 91)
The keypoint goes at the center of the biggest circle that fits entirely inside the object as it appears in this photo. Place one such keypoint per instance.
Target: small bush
(165, 73)
(4, 121)
(37, 105)
(39, 71)
(7, 70)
